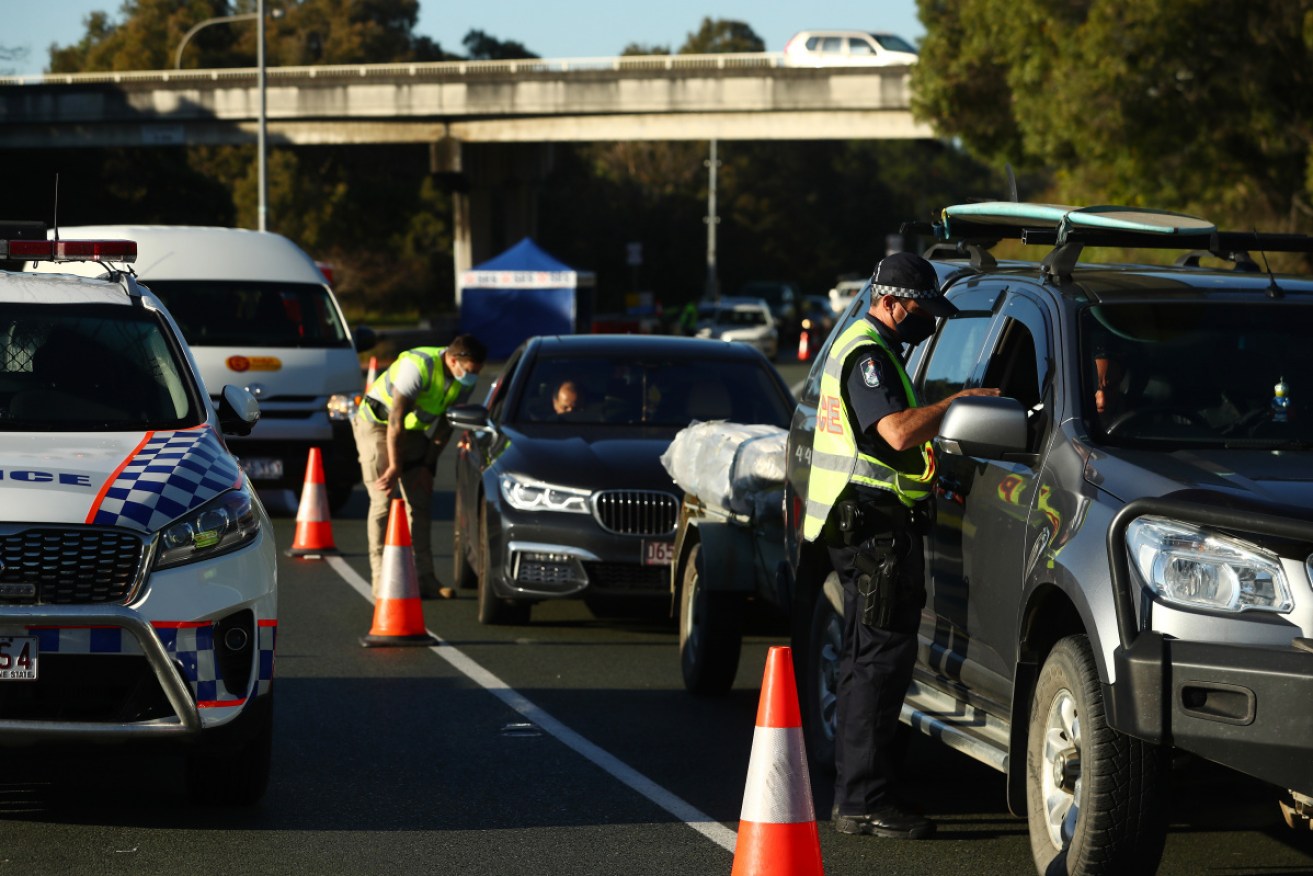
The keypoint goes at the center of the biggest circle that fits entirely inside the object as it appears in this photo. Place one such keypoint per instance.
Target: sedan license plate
(658, 553)
(18, 658)
(259, 468)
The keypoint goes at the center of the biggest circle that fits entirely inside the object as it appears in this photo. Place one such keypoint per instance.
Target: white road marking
(627, 775)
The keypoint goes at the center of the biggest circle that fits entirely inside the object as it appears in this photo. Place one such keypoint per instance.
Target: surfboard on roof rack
(1104, 217)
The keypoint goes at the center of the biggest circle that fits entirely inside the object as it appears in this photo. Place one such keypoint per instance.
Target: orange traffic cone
(777, 830)
(372, 373)
(803, 346)
(314, 529)
(398, 618)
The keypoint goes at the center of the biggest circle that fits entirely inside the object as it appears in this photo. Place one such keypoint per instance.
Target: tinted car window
(653, 393)
(893, 43)
(954, 355)
(252, 314)
(1198, 372)
(101, 367)
(727, 316)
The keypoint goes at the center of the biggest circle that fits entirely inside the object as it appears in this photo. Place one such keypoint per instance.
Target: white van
(257, 312)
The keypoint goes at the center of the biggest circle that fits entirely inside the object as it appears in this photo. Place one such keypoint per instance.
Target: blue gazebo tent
(522, 292)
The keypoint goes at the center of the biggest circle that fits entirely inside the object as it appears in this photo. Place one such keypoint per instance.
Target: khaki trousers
(416, 485)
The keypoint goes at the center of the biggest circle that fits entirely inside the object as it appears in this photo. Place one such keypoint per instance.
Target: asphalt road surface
(567, 746)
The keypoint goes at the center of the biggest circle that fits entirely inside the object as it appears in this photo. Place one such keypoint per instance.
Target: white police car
(138, 575)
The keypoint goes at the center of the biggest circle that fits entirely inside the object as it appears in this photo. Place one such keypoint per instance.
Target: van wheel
(1094, 797)
(710, 632)
(819, 684)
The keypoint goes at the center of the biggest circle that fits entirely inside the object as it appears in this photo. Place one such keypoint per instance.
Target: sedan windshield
(1216, 372)
(734, 316)
(88, 368)
(650, 393)
(214, 313)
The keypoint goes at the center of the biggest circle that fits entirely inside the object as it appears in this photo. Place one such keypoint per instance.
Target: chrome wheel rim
(1060, 769)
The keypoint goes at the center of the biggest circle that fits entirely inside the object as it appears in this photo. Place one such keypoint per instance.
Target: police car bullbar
(138, 576)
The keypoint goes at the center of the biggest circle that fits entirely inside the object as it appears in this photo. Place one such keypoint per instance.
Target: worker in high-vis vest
(400, 429)
(872, 467)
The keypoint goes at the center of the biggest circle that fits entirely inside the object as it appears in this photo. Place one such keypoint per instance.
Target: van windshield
(251, 313)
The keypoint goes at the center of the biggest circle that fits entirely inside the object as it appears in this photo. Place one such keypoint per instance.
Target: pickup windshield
(1217, 373)
(90, 367)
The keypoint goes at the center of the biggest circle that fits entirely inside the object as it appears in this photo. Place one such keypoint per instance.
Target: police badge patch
(870, 373)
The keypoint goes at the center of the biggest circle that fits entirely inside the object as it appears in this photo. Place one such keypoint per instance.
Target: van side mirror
(365, 338)
(238, 411)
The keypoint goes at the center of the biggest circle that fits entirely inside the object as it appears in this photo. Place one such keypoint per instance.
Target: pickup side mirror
(991, 428)
(365, 338)
(238, 411)
(471, 417)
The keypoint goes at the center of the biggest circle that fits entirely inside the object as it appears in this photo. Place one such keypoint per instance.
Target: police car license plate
(658, 553)
(259, 468)
(18, 658)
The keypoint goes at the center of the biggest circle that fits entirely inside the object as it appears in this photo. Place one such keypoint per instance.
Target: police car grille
(68, 566)
(636, 512)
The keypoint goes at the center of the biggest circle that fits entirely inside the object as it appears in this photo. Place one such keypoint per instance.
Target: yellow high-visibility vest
(436, 392)
(836, 461)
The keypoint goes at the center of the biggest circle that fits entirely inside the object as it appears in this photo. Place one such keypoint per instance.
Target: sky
(563, 29)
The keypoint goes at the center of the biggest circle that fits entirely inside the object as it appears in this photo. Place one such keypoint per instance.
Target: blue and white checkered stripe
(172, 473)
(190, 644)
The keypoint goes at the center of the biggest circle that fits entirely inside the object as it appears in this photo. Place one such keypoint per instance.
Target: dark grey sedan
(560, 491)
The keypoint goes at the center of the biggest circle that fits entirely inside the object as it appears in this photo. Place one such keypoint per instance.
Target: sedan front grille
(68, 566)
(636, 512)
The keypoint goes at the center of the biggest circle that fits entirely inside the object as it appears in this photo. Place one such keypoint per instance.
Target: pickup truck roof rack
(972, 229)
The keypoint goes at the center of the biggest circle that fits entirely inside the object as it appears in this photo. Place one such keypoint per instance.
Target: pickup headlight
(527, 494)
(1193, 567)
(220, 525)
(341, 407)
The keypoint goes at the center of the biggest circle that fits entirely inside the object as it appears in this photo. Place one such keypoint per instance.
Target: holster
(877, 581)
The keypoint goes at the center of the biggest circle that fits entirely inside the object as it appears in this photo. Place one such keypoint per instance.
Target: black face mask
(915, 327)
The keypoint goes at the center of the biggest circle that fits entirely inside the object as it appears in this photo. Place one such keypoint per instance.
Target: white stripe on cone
(314, 504)
(778, 789)
(400, 580)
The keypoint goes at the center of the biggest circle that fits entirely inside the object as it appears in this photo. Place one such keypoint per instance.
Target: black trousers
(875, 669)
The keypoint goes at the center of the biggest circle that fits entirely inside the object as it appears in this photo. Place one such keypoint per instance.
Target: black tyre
(710, 632)
(819, 683)
(1094, 797)
(494, 611)
(235, 774)
(463, 574)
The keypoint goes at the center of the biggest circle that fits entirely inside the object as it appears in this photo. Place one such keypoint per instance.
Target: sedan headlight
(1193, 567)
(224, 523)
(341, 407)
(527, 494)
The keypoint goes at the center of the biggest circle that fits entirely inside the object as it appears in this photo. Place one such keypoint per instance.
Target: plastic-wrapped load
(734, 466)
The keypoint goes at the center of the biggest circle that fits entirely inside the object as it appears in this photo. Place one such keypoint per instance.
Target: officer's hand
(980, 390)
(387, 480)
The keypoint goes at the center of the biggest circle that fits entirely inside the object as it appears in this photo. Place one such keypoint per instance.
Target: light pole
(712, 289)
(262, 162)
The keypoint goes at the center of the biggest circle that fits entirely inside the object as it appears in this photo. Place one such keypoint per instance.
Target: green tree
(720, 36)
(1199, 105)
(483, 47)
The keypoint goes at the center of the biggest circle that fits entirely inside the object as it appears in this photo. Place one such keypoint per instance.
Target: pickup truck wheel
(710, 632)
(1094, 796)
(494, 611)
(820, 677)
(237, 776)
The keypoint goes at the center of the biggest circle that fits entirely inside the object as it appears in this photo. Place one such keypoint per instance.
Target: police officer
(872, 468)
(400, 430)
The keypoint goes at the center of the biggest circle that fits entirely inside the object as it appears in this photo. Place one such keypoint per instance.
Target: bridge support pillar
(494, 195)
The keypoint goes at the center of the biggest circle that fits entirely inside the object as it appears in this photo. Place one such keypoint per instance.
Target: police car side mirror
(238, 411)
(471, 417)
(365, 338)
(985, 427)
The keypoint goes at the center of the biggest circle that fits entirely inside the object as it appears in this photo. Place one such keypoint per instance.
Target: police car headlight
(527, 494)
(1196, 568)
(341, 407)
(220, 525)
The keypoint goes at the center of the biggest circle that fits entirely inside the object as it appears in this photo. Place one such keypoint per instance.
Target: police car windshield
(666, 392)
(231, 313)
(90, 367)
(1199, 373)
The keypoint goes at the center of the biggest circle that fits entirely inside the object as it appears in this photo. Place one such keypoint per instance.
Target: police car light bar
(68, 250)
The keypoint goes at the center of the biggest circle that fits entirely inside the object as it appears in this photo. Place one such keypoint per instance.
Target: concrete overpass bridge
(453, 106)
